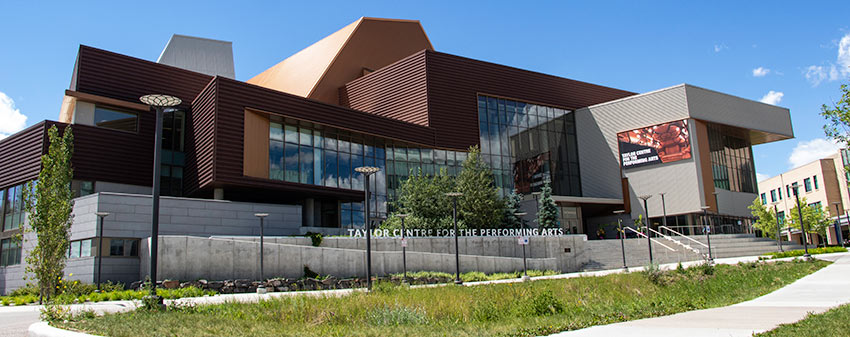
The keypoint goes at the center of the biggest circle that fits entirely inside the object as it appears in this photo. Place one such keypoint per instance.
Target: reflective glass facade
(12, 207)
(527, 143)
(731, 161)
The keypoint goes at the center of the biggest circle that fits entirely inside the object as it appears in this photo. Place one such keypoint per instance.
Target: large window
(10, 252)
(772, 195)
(526, 144)
(13, 208)
(173, 157)
(731, 160)
(808, 184)
(114, 119)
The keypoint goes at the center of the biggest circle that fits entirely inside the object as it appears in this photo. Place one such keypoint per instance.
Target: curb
(43, 329)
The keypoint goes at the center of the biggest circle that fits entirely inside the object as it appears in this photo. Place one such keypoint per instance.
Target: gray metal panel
(726, 109)
(206, 56)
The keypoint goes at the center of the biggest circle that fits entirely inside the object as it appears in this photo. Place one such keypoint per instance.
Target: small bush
(315, 237)
(706, 268)
(654, 274)
(54, 312)
(544, 304)
(398, 315)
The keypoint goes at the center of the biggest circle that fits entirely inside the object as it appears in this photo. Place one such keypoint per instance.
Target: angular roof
(363, 46)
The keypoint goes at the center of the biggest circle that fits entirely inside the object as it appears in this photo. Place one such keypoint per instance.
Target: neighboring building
(374, 93)
(823, 183)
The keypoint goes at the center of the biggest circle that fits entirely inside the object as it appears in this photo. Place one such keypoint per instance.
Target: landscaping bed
(801, 252)
(828, 324)
(509, 309)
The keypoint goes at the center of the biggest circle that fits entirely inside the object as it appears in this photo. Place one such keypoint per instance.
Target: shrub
(654, 274)
(54, 312)
(315, 237)
(543, 304)
(801, 252)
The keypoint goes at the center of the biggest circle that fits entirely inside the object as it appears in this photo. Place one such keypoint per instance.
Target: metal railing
(653, 240)
(686, 246)
(682, 235)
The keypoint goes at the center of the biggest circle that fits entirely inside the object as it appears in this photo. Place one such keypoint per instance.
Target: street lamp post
(663, 210)
(523, 244)
(454, 196)
(403, 247)
(646, 220)
(794, 188)
(707, 230)
(261, 289)
(778, 230)
(159, 102)
(367, 171)
(619, 214)
(100, 216)
(838, 237)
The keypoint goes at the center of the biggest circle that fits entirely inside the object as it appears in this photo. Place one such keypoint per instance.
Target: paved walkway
(816, 293)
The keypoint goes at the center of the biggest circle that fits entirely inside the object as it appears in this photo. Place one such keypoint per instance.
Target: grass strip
(812, 251)
(828, 324)
(514, 309)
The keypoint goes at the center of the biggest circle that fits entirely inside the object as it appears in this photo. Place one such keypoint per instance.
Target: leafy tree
(48, 205)
(512, 205)
(815, 219)
(480, 205)
(547, 210)
(766, 218)
(838, 117)
(423, 198)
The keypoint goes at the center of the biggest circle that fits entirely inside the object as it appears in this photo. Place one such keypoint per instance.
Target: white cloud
(11, 119)
(772, 97)
(809, 151)
(761, 177)
(760, 72)
(833, 71)
(719, 47)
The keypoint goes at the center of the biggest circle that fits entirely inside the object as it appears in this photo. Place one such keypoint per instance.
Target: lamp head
(261, 215)
(160, 100)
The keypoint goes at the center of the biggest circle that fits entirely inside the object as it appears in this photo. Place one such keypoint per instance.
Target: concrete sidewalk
(815, 293)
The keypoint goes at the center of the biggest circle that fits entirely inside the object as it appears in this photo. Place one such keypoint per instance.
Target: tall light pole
(619, 214)
(367, 171)
(403, 246)
(159, 102)
(663, 210)
(646, 222)
(794, 188)
(778, 229)
(262, 288)
(100, 216)
(838, 237)
(707, 230)
(522, 233)
(454, 196)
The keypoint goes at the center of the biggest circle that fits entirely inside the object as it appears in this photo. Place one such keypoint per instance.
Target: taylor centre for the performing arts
(375, 93)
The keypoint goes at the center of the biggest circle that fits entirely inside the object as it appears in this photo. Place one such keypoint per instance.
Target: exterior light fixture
(403, 246)
(454, 196)
(707, 230)
(261, 289)
(524, 243)
(795, 187)
(648, 233)
(159, 102)
(100, 216)
(367, 171)
(622, 233)
(838, 237)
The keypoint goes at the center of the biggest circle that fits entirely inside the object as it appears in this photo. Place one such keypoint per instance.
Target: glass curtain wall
(731, 161)
(173, 157)
(526, 144)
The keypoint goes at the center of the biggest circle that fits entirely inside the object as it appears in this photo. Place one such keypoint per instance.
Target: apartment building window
(815, 179)
(781, 217)
(807, 183)
(763, 199)
(772, 195)
(817, 206)
(788, 190)
(779, 192)
(10, 252)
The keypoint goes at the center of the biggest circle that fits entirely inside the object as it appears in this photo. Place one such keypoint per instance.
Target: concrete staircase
(607, 254)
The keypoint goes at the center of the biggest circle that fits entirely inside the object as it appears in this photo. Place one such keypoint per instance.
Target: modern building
(375, 93)
(821, 183)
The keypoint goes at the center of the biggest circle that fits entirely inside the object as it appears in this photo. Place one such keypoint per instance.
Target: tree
(815, 218)
(838, 118)
(423, 198)
(547, 210)
(49, 203)
(480, 205)
(765, 218)
(512, 205)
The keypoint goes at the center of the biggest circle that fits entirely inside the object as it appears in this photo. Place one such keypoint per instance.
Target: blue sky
(629, 45)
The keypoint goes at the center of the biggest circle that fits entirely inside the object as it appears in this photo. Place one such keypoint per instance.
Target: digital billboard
(662, 143)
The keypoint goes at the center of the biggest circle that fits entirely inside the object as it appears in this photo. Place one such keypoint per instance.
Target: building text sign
(463, 232)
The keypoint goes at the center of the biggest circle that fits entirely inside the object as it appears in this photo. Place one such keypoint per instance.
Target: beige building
(823, 183)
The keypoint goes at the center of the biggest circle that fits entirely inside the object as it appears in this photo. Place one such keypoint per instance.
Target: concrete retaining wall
(189, 258)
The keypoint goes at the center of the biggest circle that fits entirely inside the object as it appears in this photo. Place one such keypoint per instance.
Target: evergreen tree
(480, 205)
(49, 203)
(547, 210)
(423, 198)
(512, 205)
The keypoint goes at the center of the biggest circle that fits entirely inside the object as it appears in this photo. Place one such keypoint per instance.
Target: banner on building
(662, 143)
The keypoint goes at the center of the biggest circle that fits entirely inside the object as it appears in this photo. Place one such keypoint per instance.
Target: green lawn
(828, 324)
(515, 309)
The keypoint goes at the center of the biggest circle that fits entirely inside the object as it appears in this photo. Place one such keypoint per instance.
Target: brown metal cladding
(397, 91)
(454, 83)
(200, 136)
(21, 155)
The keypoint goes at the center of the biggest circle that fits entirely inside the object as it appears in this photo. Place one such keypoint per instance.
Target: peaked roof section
(318, 71)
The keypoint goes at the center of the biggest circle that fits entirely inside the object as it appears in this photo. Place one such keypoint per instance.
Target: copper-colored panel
(398, 91)
(106, 100)
(705, 165)
(255, 156)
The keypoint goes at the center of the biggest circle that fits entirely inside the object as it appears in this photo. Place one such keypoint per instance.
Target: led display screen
(657, 144)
